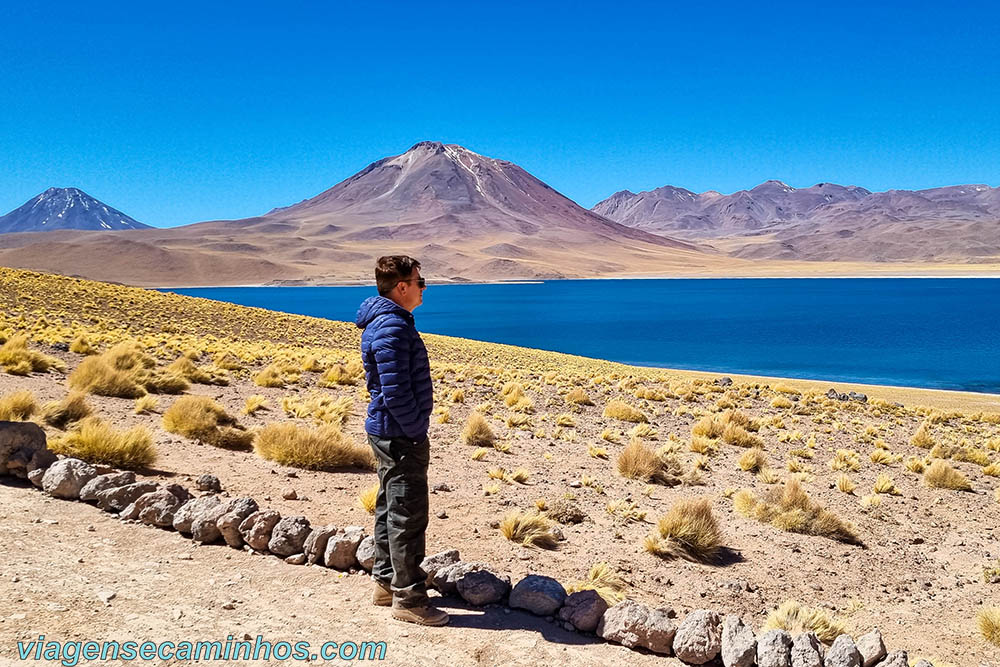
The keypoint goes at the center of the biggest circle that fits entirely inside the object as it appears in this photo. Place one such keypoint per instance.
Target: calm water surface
(940, 333)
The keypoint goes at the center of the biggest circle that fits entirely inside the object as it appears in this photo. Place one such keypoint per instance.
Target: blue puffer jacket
(397, 371)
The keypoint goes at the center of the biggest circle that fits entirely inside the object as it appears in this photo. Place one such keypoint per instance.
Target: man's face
(410, 293)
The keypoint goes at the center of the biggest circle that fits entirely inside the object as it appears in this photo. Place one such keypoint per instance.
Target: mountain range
(468, 217)
(825, 222)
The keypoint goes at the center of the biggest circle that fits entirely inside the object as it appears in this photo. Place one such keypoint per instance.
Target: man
(399, 381)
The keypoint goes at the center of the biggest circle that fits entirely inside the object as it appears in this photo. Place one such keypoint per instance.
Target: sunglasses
(421, 283)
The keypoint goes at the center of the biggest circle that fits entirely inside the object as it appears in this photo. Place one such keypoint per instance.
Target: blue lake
(929, 332)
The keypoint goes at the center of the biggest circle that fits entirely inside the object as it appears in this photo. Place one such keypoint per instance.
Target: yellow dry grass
(477, 431)
(602, 579)
(368, 497)
(688, 530)
(201, 418)
(96, 441)
(530, 529)
(795, 618)
(73, 407)
(791, 509)
(940, 475)
(324, 447)
(18, 406)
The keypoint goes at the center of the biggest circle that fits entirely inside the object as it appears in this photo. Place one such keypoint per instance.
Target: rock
(35, 477)
(445, 579)
(19, 443)
(366, 553)
(583, 610)
(538, 594)
(806, 651)
(186, 514)
(289, 536)
(871, 647)
(432, 564)
(107, 481)
(632, 624)
(724, 381)
(482, 587)
(895, 659)
(774, 649)
(209, 483)
(118, 498)
(289, 494)
(565, 511)
(257, 528)
(229, 522)
(297, 559)
(842, 653)
(443, 487)
(66, 477)
(342, 548)
(315, 544)
(739, 646)
(857, 396)
(699, 637)
(155, 508)
(182, 494)
(923, 663)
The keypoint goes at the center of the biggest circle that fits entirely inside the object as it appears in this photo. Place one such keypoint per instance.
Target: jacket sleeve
(390, 347)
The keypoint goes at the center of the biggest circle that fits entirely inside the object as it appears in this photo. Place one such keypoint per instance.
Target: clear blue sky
(180, 112)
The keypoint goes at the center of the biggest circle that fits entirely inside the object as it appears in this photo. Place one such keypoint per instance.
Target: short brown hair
(391, 269)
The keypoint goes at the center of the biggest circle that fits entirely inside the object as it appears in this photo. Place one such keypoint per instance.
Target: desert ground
(913, 567)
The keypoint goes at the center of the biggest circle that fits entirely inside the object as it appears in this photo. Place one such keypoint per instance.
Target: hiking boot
(382, 595)
(420, 615)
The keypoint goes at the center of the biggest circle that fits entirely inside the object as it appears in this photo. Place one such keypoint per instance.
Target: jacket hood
(374, 306)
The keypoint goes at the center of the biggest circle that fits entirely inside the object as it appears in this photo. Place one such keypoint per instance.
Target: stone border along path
(700, 638)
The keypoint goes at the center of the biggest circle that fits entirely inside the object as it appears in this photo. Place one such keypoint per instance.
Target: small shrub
(477, 431)
(201, 418)
(96, 441)
(529, 529)
(322, 448)
(796, 618)
(622, 411)
(988, 620)
(72, 408)
(689, 530)
(940, 475)
(578, 396)
(368, 497)
(18, 406)
(791, 509)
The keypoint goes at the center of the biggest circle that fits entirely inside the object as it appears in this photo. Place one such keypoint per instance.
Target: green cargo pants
(401, 517)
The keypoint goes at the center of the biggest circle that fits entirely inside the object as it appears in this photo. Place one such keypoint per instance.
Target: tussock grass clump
(915, 464)
(146, 404)
(477, 431)
(322, 448)
(781, 402)
(791, 509)
(709, 426)
(597, 452)
(734, 434)
(96, 441)
(702, 445)
(923, 438)
(988, 620)
(884, 484)
(940, 475)
(458, 396)
(973, 455)
(342, 374)
(689, 530)
(18, 359)
(578, 396)
(604, 580)
(530, 529)
(18, 406)
(479, 454)
(201, 418)
(368, 497)
(125, 371)
(321, 407)
(752, 460)
(280, 374)
(187, 369)
(795, 618)
(565, 420)
(81, 345)
(625, 510)
(846, 459)
(622, 411)
(639, 461)
(254, 403)
(72, 408)
(227, 361)
(992, 470)
(845, 485)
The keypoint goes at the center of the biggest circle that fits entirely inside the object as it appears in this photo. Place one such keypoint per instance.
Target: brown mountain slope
(465, 216)
(825, 222)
